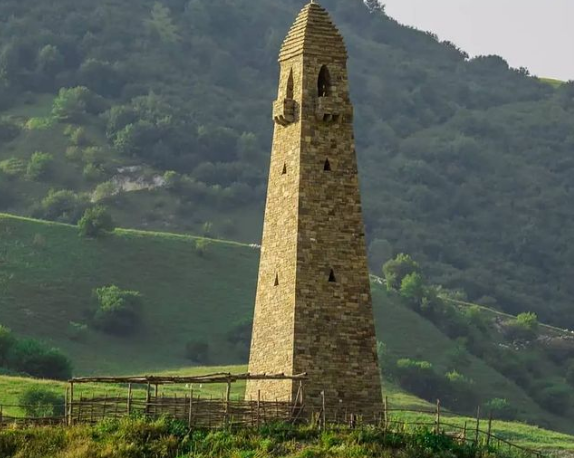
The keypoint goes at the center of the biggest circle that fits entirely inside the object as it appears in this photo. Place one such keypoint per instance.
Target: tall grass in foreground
(164, 438)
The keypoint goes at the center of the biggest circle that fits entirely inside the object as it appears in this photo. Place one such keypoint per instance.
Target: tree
(38, 360)
(96, 222)
(40, 402)
(118, 310)
(397, 269)
(40, 165)
(72, 103)
(162, 24)
(413, 288)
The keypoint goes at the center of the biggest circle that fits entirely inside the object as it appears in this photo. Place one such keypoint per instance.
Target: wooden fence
(209, 413)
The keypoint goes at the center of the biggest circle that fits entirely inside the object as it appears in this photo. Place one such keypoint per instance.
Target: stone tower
(313, 309)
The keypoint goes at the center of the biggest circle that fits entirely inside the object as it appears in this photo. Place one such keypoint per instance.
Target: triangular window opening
(332, 278)
(290, 85)
(276, 279)
(284, 169)
(327, 166)
(324, 82)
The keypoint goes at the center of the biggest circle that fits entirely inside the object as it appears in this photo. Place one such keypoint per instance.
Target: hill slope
(47, 274)
(465, 164)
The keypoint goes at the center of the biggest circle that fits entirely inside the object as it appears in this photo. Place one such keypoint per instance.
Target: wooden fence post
(258, 409)
(385, 412)
(148, 399)
(437, 427)
(66, 400)
(129, 401)
(323, 413)
(489, 429)
(227, 406)
(190, 415)
(71, 407)
(477, 437)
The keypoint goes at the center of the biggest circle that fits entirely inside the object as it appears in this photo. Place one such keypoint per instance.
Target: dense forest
(466, 164)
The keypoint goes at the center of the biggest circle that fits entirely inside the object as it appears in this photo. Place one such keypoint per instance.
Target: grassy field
(47, 274)
(519, 433)
(553, 82)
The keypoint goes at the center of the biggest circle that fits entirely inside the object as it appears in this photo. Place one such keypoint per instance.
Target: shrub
(65, 206)
(92, 172)
(413, 288)
(197, 351)
(501, 409)
(104, 191)
(570, 373)
(201, 246)
(40, 165)
(118, 310)
(397, 269)
(96, 222)
(36, 359)
(458, 392)
(554, 397)
(40, 402)
(418, 377)
(524, 328)
(72, 103)
(79, 137)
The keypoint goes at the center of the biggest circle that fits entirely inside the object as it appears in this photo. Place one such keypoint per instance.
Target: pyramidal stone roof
(313, 33)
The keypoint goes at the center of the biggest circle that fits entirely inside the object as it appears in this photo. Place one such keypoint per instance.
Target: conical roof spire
(313, 33)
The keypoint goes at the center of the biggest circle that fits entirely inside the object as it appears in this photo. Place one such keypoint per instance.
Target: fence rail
(212, 413)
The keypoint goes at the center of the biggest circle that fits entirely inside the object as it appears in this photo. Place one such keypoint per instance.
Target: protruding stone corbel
(284, 111)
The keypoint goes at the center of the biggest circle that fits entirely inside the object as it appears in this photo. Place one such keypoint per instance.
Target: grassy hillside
(465, 163)
(47, 274)
(521, 434)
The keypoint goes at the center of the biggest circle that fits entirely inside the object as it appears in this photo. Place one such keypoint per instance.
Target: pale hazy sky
(536, 34)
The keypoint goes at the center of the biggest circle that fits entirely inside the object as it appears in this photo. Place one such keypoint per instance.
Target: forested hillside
(161, 110)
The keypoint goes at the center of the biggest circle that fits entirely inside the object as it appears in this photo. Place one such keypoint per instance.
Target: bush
(197, 351)
(104, 191)
(413, 288)
(72, 103)
(118, 310)
(40, 165)
(458, 392)
(201, 246)
(64, 206)
(554, 397)
(96, 222)
(397, 269)
(40, 402)
(418, 377)
(525, 328)
(501, 409)
(93, 172)
(37, 360)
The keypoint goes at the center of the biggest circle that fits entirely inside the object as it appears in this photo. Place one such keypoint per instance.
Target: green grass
(519, 433)
(46, 285)
(553, 82)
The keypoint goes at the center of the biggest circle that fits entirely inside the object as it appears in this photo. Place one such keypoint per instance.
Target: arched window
(276, 280)
(284, 169)
(290, 85)
(327, 166)
(324, 83)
